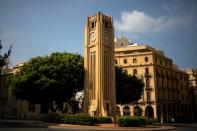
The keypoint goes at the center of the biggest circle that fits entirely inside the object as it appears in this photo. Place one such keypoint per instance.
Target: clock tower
(99, 66)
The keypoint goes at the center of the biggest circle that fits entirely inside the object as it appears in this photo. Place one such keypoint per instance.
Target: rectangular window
(93, 24)
(148, 96)
(107, 75)
(92, 75)
(147, 83)
(106, 25)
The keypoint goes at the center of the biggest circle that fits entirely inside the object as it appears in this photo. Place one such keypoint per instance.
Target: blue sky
(40, 27)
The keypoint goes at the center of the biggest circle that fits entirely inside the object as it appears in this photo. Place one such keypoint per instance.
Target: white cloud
(137, 22)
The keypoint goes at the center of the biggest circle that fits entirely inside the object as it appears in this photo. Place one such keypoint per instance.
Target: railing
(147, 74)
(149, 88)
(150, 101)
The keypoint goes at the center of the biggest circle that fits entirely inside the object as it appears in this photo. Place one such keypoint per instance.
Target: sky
(40, 27)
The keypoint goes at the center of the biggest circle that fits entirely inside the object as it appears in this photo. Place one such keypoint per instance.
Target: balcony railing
(150, 101)
(148, 88)
(147, 74)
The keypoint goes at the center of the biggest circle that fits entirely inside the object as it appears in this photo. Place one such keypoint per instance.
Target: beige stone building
(193, 87)
(99, 66)
(166, 92)
(10, 106)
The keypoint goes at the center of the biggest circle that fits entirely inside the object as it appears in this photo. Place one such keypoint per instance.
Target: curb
(105, 128)
(182, 125)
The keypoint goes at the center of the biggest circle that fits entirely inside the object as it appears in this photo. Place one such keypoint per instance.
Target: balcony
(192, 78)
(148, 88)
(147, 75)
(150, 102)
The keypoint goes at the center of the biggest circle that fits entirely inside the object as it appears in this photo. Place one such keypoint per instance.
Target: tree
(45, 80)
(128, 88)
(5, 56)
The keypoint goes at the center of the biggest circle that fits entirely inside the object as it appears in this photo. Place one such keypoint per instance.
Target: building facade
(10, 106)
(192, 73)
(99, 66)
(166, 92)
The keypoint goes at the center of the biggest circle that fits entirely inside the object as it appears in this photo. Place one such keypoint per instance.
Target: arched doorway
(126, 111)
(149, 112)
(117, 110)
(137, 111)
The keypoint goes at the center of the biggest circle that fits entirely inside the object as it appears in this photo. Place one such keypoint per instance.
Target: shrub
(53, 118)
(79, 119)
(150, 121)
(100, 120)
(131, 121)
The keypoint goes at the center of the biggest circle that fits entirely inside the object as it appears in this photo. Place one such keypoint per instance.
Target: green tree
(128, 88)
(5, 56)
(45, 80)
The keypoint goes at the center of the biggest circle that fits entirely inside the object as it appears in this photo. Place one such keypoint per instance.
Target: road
(190, 128)
(26, 126)
(36, 126)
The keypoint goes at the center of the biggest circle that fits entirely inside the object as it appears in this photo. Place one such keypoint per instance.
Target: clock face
(93, 36)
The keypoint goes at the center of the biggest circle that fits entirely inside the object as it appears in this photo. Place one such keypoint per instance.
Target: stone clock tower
(99, 66)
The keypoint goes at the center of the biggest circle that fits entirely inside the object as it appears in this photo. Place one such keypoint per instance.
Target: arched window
(125, 61)
(146, 59)
(126, 111)
(137, 111)
(134, 71)
(149, 112)
(116, 61)
(134, 60)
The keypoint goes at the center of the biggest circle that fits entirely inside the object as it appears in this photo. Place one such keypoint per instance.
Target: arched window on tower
(93, 24)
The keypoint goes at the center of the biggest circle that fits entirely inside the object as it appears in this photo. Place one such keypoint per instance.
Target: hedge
(131, 121)
(79, 119)
(53, 118)
(100, 120)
